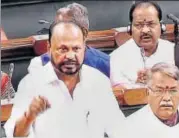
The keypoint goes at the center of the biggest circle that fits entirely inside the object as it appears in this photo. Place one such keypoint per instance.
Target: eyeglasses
(139, 26)
(162, 92)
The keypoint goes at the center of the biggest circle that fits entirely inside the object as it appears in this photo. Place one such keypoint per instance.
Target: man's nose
(70, 55)
(167, 96)
(145, 29)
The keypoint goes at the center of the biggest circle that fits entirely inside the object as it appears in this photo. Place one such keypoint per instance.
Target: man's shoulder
(94, 82)
(41, 75)
(93, 73)
(127, 46)
(35, 63)
(138, 116)
(166, 42)
(95, 53)
(97, 59)
(30, 78)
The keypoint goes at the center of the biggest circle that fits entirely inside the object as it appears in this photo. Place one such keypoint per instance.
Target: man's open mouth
(146, 37)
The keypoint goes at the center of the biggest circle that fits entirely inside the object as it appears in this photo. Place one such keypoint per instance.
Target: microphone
(121, 29)
(43, 22)
(7, 90)
(173, 18)
(143, 56)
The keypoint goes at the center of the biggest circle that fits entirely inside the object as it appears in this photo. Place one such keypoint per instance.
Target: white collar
(49, 75)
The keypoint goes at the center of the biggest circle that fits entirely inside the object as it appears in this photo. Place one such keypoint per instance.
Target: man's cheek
(60, 58)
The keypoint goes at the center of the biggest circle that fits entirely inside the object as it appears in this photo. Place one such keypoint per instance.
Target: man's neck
(151, 51)
(172, 121)
(70, 81)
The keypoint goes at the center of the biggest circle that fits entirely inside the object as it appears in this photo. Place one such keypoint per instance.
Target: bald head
(66, 30)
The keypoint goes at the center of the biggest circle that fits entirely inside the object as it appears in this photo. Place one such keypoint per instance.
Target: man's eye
(151, 25)
(173, 91)
(159, 91)
(76, 48)
(63, 49)
(137, 25)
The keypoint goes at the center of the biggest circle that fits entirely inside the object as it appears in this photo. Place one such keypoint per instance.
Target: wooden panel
(121, 38)
(97, 39)
(136, 96)
(5, 112)
(18, 42)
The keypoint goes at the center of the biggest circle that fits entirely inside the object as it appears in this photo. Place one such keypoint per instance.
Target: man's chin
(166, 113)
(69, 71)
(146, 44)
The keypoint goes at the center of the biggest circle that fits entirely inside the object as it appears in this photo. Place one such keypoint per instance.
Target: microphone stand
(176, 33)
(176, 48)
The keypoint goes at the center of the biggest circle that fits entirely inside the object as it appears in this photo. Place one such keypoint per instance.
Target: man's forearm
(22, 126)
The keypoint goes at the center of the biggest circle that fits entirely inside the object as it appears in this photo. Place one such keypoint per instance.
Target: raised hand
(38, 105)
(142, 76)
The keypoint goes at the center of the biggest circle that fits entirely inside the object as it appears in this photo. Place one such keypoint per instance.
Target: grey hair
(165, 68)
(80, 13)
(77, 13)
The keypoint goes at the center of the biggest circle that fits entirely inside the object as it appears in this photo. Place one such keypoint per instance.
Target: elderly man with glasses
(160, 118)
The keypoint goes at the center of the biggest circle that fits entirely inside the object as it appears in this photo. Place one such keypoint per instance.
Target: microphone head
(43, 22)
(173, 18)
(169, 15)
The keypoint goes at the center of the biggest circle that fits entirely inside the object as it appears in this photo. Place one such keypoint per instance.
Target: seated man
(64, 98)
(130, 62)
(93, 57)
(160, 118)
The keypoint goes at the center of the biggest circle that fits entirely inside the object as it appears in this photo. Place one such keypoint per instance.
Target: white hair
(165, 68)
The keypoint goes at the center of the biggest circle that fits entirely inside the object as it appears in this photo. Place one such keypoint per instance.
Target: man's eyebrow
(151, 21)
(173, 87)
(160, 87)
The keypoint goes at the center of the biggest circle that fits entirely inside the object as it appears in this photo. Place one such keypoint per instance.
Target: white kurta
(35, 64)
(127, 60)
(144, 124)
(92, 111)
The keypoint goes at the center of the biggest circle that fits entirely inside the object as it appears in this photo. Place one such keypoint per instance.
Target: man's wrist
(22, 126)
(29, 118)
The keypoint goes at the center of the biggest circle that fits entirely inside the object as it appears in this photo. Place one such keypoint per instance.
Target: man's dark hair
(147, 4)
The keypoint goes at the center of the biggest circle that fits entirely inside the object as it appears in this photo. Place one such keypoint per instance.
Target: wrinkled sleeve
(21, 103)
(112, 117)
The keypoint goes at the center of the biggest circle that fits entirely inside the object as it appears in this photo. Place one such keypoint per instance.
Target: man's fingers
(39, 104)
(45, 101)
(34, 111)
